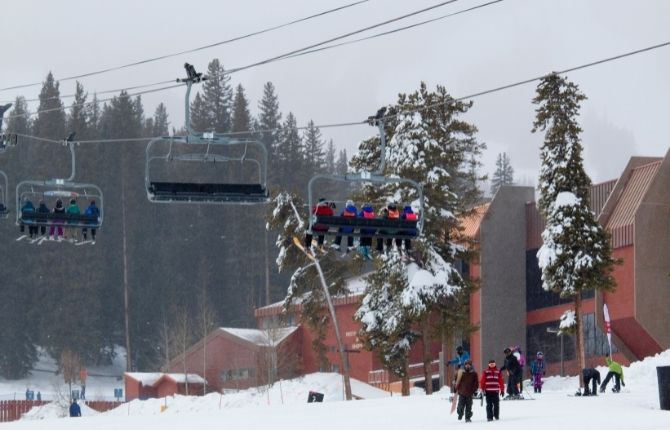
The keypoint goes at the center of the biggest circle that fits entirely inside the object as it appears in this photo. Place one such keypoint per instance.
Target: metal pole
(562, 368)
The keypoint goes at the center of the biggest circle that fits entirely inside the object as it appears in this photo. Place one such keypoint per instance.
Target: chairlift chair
(208, 192)
(50, 191)
(383, 228)
(4, 185)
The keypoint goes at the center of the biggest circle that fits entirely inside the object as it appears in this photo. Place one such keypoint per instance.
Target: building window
(536, 296)
(236, 374)
(539, 339)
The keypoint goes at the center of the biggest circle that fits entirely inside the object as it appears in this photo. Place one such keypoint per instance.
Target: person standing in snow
(615, 371)
(491, 384)
(458, 361)
(513, 374)
(591, 375)
(537, 369)
(349, 211)
(75, 410)
(466, 386)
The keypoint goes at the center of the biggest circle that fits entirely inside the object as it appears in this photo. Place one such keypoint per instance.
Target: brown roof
(620, 222)
(631, 196)
(472, 222)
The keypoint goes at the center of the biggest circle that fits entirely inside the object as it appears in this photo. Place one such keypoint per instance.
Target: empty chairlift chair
(183, 157)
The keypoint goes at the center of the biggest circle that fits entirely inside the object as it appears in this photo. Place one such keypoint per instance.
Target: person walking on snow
(537, 369)
(513, 373)
(466, 386)
(458, 361)
(615, 371)
(491, 384)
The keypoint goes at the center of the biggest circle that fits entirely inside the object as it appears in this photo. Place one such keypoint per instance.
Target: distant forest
(187, 268)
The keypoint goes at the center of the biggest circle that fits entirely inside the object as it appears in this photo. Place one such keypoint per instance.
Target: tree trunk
(427, 359)
(405, 379)
(126, 294)
(581, 353)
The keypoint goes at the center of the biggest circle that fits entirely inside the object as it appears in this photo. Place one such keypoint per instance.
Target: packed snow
(285, 406)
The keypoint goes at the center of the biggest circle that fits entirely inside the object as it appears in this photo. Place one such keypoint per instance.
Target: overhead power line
(453, 100)
(188, 51)
(336, 38)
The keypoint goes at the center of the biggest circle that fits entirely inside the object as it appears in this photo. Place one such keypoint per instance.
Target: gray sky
(625, 114)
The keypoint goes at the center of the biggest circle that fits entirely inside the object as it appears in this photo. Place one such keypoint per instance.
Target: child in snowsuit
(28, 208)
(366, 233)
(409, 215)
(325, 209)
(73, 209)
(57, 226)
(615, 371)
(513, 374)
(492, 384)
(93, 211)
(349, 211)
(466, 386)
(592, 376)
(537, 369)
(43, 209)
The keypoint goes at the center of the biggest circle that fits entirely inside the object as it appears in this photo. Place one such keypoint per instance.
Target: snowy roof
(180, 378)
(261, 337)
(151, 378)
(146, 378)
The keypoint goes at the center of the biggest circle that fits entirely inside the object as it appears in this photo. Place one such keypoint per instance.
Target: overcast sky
(626, 112)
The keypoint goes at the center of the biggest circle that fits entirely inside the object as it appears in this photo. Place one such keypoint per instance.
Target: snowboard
(454, 400)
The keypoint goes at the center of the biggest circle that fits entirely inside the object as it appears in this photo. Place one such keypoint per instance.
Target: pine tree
(77, 120)
(50, 121)
(217, 98)
(314, 154)
(161, 126)
(269, 122)
(504, 173)
(94, 115)
(241, 120)
(431, 145)
(18, 120)
(342, 165)
(290, 152)
(575, 255)
(200, 120)
(330, 158)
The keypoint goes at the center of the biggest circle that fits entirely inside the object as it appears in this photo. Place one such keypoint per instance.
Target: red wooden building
(511, 308)
(154, 385)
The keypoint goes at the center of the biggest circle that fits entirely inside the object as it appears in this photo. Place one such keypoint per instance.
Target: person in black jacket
(593, 376)
(513, 374)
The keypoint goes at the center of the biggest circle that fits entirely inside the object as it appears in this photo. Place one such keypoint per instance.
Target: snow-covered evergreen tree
(428, 144)
(504, 173)
(575, 255)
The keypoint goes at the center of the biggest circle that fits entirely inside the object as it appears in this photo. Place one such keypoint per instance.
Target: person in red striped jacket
(491, 384)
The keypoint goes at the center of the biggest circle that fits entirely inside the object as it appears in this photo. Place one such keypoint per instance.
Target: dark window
(536, 296)
(539, 339)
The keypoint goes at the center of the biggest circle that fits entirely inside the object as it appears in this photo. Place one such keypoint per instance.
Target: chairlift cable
(188, 51)
(365, 122)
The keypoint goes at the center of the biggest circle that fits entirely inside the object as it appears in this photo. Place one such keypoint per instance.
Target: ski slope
(284, 407)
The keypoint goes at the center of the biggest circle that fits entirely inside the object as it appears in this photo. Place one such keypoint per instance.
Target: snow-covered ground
(284, 407)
